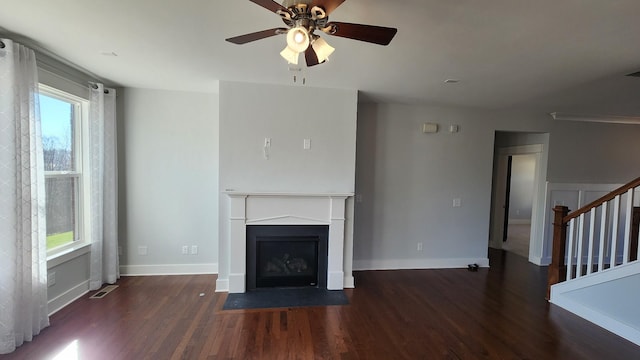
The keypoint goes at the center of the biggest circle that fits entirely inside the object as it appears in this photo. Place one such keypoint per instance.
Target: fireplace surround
(329, 209)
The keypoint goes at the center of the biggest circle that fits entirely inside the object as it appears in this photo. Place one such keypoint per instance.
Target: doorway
(518, 194)
(519, 203)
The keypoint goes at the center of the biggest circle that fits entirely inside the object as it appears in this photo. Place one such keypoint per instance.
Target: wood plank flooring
(497, 313)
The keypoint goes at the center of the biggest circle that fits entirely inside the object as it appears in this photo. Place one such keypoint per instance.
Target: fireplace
(287, 256)
(272, 210)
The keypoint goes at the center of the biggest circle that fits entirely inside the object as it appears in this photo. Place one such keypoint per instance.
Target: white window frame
(82, 232)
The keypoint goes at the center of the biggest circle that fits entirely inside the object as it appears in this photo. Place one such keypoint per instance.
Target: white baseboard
(349, 282)
(222, 285)
(541, 261)
(169, 269)
(399, 264)
(68, 297)
(519, 221)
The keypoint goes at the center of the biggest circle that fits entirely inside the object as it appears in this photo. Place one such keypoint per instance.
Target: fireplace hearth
(287, 256)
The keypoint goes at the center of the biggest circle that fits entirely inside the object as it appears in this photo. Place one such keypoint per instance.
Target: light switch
(307, 144)
(457, 202)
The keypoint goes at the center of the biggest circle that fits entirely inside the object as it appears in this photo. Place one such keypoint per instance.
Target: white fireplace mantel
(286, 209)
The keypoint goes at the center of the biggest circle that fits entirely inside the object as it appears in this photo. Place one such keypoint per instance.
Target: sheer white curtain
(23, 258)
(104, 190)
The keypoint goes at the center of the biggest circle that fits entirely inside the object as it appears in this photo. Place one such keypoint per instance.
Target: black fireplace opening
(287, 256)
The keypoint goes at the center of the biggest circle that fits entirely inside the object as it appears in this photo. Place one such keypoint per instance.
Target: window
(63, 118)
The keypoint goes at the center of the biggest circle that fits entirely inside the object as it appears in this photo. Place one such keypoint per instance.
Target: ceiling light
(297, 42)
(298, 39)
(322, 49)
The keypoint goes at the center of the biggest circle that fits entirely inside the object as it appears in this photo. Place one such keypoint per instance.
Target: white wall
(521, 195)
(407, 180)
(287, 115)
(594, 153)
(168, 181)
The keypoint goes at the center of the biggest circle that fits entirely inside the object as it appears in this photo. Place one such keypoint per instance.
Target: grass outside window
(56, 240)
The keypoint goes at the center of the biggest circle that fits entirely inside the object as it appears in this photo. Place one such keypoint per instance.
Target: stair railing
(599, 236)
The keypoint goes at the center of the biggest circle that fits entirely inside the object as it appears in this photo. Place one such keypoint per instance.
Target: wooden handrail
(557, 270)
(610, 196)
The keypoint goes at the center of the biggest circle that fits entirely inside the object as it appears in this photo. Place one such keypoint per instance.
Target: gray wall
(594, 153)
(249, 113)
(408, 180)
(168, 177)
(522, 184)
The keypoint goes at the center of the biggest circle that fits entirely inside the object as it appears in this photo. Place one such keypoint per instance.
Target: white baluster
(592, 230)
(627, 227)
(614, 235)
(603, 235)
(570, 249)
(580, 241)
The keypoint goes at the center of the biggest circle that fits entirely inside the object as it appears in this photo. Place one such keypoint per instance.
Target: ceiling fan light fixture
(298, 39)
(290, 55)
(323, 49)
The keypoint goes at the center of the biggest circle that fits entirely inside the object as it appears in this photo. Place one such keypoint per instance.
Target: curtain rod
(94, 86)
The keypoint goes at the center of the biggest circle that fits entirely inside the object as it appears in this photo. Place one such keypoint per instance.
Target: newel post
(557, 269)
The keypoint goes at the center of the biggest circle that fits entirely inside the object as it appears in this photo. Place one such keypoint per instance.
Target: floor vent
(102, 293)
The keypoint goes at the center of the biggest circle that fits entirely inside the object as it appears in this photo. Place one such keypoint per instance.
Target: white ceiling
(552, 55)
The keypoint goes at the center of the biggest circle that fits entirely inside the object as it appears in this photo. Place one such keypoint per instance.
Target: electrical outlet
(185, 250)
(51, 279)
(306, 144)
(457, 202)
(419, 246)
(194, 249)
(142, 250)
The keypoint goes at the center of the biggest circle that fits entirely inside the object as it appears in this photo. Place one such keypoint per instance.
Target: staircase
(594, 271)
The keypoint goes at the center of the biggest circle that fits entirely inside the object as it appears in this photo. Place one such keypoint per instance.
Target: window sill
(68, 254)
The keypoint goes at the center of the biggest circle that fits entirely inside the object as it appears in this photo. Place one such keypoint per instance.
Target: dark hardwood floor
(497, 313)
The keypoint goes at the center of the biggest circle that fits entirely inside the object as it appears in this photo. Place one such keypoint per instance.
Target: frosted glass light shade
(322, 49)
(298, 39)
(290, 55)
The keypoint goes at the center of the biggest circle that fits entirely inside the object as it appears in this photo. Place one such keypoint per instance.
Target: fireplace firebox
(287, 256)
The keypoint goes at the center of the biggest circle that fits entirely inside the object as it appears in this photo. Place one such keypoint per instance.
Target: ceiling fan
(303, 18)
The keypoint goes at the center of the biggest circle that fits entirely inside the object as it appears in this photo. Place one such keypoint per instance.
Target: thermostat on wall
(429, 128)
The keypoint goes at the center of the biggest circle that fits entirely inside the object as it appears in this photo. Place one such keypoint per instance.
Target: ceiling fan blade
(270, 5)
(327, 5)
(311, 57)
(246, 38)
(369, 33)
